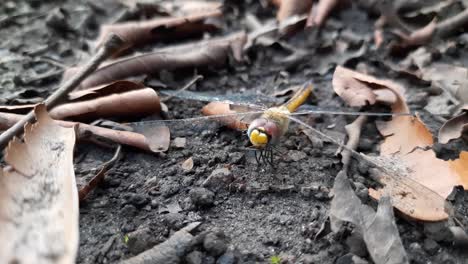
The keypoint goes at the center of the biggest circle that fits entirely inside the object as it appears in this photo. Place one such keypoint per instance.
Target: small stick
(112, 44)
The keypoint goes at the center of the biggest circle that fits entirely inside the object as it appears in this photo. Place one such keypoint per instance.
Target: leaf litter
(406, 138)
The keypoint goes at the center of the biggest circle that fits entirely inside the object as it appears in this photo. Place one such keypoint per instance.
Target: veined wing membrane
(193, 126)
(253, 101)
(310, 110)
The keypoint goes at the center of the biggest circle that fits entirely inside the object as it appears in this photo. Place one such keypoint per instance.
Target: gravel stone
(194, 257)
(215, 244)
(140, 240)
(202, 197)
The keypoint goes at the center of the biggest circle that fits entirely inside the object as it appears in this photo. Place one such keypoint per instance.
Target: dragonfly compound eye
(258, 137)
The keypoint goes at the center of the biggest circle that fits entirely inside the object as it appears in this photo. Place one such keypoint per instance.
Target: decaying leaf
(160, 29)
(454, 128)
(38, 196)
(116, 87)
(218, 108)
(199, 54)
(140, 102)
(379, 230)
(421, 195)
(353, 88)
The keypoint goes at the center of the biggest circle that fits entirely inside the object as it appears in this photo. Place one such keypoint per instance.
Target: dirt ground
(251, 213)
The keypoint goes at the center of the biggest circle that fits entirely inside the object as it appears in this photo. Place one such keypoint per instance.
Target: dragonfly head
(261, 131)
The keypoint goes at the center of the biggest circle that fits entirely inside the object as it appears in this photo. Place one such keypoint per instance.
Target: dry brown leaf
(106, 89)
(417, 190)
(140, 102)
(453, 128)
(199, 54)
(218, 108)
(18, 109)
(156, 140)
(160, 29)
(38, 195)
(354, 88)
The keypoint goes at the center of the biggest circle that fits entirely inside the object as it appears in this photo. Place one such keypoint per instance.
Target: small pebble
(202, 197)
(140, 240)
(194, 257)
(215, 244)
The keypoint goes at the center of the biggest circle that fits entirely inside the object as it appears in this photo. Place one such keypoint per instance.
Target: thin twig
(453, 24)
(112, 44)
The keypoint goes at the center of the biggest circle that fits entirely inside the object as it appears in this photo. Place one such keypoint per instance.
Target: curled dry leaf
(136, 33)
(199, 54)
(453, 128)
(219, 108)
(416, 190)
(120, 86)
(39, 200)
(156, 140)
(140, 102)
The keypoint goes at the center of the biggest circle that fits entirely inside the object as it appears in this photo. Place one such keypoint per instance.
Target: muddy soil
(252, 213)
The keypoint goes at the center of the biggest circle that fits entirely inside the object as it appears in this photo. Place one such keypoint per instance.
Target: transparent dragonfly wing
(193, 126)
(252, 101)
(310, 110)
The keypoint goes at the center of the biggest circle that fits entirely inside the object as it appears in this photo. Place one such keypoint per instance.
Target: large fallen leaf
(160, 29)
(416, 190)
(212, 53)
(138, 103)
(155, 140)
(38, 195)
(379, 230)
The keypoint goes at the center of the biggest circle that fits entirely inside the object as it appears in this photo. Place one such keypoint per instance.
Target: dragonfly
(265, 126)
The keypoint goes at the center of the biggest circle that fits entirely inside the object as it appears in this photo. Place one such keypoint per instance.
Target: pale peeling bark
(38, 195)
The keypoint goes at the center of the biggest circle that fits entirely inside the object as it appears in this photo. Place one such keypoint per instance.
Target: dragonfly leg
(270, 157)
